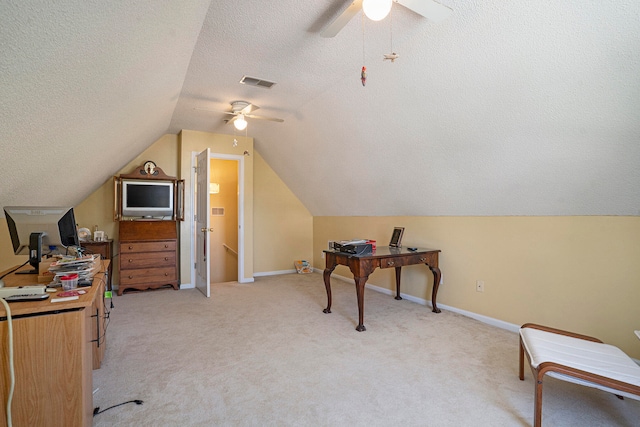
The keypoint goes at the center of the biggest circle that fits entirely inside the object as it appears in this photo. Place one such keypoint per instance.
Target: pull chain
(363, 72)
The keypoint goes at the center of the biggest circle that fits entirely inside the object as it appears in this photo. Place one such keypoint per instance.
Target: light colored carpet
(264, 354)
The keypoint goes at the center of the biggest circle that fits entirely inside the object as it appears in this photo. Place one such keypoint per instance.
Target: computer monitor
(33, 228)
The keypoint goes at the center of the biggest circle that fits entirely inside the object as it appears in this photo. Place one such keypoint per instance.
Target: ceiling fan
(240, 110)
(430, 9)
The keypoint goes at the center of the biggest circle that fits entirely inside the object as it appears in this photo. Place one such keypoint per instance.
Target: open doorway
(223, 197)
(201, 224)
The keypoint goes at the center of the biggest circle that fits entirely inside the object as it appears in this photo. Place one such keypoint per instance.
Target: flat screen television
(147, 199)
(34, 230)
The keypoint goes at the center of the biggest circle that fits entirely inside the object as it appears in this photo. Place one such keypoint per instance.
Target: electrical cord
(97, 411)
(11, 271)
(12, 374)
(107, 311)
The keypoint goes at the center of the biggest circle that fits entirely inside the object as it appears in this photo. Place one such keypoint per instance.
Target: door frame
(241, 224)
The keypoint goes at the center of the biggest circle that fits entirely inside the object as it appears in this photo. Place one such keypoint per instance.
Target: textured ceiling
(505, 108)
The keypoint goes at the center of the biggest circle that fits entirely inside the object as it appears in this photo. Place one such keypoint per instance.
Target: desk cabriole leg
(327, 284)
(436, 283)
(360, 282)
(398, 271)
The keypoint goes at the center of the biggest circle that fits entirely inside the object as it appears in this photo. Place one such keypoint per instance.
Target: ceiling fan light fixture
(240, 122)
(376, 10)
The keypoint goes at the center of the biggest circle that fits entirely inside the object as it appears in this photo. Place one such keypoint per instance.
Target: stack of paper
(85, 267)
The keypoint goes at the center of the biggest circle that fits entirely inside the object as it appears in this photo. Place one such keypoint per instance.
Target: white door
(203, 226)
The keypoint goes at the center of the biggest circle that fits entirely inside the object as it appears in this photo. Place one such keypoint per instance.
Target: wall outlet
(479, 286)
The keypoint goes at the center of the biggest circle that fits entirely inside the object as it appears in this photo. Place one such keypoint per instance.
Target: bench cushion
(593, 357)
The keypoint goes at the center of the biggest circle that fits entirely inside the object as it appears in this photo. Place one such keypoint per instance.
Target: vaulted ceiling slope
(504, 108)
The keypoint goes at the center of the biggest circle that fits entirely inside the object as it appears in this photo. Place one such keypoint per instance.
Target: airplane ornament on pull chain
(363, 72)
(391, 56)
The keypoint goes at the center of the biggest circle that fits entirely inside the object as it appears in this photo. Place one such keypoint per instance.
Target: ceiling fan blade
(273, 119)
(430, 9)
(342, 20)
(236, 110)
(249, 109)
(244, 111)
(214, 111)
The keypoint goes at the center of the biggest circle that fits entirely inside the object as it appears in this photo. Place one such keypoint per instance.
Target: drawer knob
(390, 262)
(166, 259)
(423, 259)
(130, 260)
(166, 274)
(130, 277)
(166, 246)
(130, 247)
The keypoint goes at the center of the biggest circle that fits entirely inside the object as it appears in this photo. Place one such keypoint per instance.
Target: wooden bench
(576, 358)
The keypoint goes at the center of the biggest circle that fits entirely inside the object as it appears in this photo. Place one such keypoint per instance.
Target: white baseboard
(482, 318)
(192, 286)
(273, 273)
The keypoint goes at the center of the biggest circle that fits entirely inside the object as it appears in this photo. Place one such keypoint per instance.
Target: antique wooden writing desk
(384, 257)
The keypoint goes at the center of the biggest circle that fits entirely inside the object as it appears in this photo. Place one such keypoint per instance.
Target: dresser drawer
(147, 260)
(155, 246)
(148, 275)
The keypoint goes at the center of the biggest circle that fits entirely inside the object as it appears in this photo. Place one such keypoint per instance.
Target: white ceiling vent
(252, 81)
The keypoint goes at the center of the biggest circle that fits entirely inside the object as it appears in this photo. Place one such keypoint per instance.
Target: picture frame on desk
(396, 237)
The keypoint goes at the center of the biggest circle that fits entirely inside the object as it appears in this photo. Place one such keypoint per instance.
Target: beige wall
(283, 227)
(577, 273)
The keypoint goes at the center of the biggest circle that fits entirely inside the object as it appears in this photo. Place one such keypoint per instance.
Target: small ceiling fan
(240, 110)
(430, 9)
